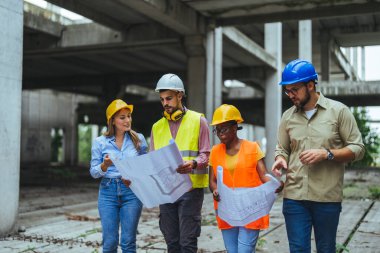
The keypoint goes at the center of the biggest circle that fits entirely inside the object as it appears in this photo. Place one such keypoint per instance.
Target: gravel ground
(358, 182)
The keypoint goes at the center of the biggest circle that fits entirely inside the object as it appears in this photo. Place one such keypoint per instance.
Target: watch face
(330, 156)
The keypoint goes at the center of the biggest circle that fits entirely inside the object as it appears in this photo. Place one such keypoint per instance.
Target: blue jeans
(301, 216)
(240, 239)
(117, 204)
(180, 222)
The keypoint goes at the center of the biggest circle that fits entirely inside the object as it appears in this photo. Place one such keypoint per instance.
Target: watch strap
(330, 155)
(195, 164)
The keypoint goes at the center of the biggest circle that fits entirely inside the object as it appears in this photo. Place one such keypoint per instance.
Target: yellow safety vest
(186, 140)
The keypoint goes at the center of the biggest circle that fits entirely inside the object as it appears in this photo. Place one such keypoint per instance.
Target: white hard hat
(170, 82)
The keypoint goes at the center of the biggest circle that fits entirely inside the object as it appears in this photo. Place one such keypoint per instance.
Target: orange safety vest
(245, 175)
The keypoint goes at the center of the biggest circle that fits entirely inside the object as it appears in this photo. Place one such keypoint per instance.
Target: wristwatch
(195, 164)
(330, 155)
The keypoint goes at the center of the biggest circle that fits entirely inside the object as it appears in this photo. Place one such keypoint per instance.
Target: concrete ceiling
(136, 41)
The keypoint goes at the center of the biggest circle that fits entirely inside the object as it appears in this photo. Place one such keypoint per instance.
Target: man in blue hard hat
(316, 137)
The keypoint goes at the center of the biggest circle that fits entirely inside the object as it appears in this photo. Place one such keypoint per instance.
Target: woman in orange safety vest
(243, 166)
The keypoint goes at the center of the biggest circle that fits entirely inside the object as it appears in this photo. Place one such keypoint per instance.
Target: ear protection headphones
(177, 115)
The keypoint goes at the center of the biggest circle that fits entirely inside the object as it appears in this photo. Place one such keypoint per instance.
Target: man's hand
(186, 167)
(126, 182)
(280, 188)
(312, 156)
(278, 165)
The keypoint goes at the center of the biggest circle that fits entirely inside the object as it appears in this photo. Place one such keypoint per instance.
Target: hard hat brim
(223, 121)
(169, 88)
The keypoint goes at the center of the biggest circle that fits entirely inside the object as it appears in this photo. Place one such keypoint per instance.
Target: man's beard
(173, 109)
(304, 101)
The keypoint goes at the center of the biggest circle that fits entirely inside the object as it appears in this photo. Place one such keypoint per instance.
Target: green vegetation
(90, 232)
(341, 248)
(350, 185)
(374, 191)
(261, 242)
(84, 143)
(29, 249)
(370, 138)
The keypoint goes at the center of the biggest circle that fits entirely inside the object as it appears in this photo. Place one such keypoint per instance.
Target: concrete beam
(244, 93)
(85, 9)
(358, 39)
(42, 24)
(46, 13)
(95, 34)
(350, 88)
(343, 62)
(173, 14)
(247, 75)
(280, 11)
(98, 49)
(250, 46)
(146, 79)
(252, 76)
(211, 5)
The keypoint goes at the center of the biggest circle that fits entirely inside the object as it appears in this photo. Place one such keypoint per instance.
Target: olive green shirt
(332, 126)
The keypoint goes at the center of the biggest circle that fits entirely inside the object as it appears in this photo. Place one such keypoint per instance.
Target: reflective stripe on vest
(189, 153)
(186, 140)
(200, 171)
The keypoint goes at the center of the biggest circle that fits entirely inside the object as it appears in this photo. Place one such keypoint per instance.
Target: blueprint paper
(153, 175)
(241, 206)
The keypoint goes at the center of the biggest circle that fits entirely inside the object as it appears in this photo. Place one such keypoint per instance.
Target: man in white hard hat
(180, 222)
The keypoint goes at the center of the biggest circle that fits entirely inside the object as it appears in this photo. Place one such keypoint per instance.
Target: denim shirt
(103, 145)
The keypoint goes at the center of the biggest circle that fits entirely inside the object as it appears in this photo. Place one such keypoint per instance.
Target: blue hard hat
(298, 71)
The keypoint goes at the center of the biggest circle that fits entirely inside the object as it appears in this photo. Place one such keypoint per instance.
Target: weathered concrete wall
(11, 25)
(43, 110)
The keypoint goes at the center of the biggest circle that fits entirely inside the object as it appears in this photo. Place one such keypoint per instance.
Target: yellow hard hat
(116, 106)
(226, 113)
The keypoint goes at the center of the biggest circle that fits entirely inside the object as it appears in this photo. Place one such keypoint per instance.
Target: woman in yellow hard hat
(243, 166)
(117, 204)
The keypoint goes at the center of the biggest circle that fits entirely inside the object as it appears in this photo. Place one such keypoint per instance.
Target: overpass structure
(124, 46)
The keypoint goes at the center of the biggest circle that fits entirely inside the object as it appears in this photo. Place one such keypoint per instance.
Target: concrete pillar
(348, 54)
(305, 48)
(195, 83)
(74, 133)
(363, 63)
(11, 32)
(214, 74)
(273, 92)
(325, 56)
(355, 61)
